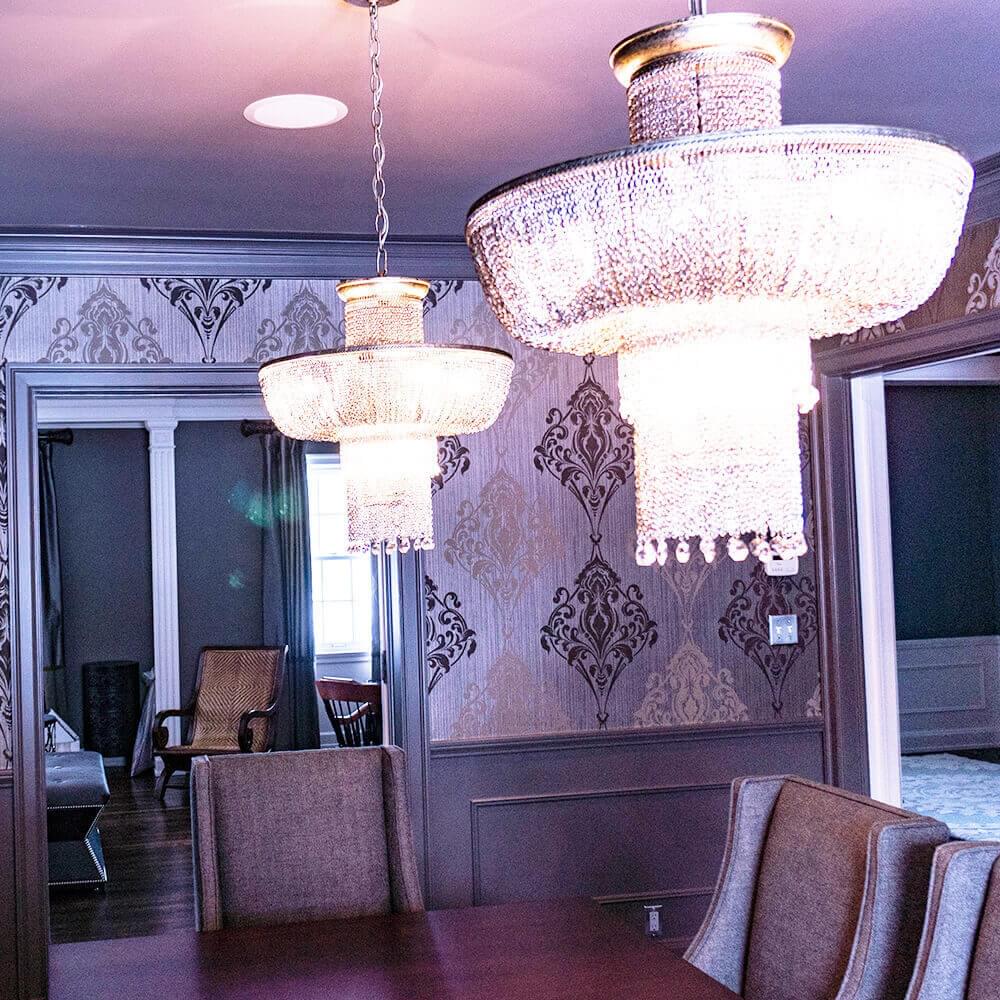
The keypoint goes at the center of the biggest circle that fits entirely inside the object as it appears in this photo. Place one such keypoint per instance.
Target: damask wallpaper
(538, 619)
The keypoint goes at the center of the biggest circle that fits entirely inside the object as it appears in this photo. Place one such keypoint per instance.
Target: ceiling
(128, 113)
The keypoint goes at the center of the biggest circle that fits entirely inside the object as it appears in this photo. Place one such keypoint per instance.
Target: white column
(163, 533)
(878, 605)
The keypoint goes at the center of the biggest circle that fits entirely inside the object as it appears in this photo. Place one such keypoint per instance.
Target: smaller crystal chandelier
(387, 396)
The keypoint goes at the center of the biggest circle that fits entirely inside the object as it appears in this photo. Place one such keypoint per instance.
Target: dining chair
(354, 710)
(232, 709)
(301, 835)
(959, 956)
(820, 897)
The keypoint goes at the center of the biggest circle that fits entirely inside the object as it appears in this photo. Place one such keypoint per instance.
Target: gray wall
(102, 493)
(944, 488)
(218, 540)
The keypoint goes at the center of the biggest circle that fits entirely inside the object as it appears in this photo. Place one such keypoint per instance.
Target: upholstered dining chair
(304, 835)
(231, 711)
(354, 710)
(959, 956)
(821, 894)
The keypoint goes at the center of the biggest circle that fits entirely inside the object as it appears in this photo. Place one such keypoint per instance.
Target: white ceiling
(127, 113)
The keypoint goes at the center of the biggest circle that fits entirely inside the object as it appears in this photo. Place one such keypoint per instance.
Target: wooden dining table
(563, 950)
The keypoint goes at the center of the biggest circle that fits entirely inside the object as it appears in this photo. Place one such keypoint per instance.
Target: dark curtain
(287, 587)
(53, 654)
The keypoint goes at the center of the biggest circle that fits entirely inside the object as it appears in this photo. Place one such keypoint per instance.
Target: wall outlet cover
(784, 629)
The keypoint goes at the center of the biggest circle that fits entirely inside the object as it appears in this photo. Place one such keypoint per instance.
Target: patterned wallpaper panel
(538, 619)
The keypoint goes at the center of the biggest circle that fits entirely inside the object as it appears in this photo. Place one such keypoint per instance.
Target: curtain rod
(248, 428)
(63, 436)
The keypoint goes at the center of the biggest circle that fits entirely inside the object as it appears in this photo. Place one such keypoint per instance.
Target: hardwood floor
(147, 847)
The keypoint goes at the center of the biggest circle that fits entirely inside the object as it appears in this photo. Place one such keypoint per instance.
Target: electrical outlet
(784, 629)
(654, 925)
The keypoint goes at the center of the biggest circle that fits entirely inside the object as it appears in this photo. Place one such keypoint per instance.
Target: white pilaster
(878, 606)
(163, 534)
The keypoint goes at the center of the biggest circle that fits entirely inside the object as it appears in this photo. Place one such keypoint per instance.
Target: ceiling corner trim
(209, 255)
(984, 203)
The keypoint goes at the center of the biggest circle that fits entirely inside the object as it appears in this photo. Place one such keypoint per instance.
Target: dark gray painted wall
(102, 493)
(944, 487)
(218, 474)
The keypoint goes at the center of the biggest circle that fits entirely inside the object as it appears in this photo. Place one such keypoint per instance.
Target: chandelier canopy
(707, 254)
(388, 395)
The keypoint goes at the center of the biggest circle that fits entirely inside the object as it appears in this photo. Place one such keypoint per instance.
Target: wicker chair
(231, 711)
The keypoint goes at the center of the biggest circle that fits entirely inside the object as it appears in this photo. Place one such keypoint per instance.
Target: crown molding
(225, 255)
(984, 204)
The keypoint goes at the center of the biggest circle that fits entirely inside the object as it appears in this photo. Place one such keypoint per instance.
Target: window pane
(337, 582)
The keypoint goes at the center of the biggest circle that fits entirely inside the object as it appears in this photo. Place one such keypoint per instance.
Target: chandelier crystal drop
(388, 395)
(707, 254)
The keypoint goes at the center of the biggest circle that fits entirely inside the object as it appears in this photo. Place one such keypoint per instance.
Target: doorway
(926, 450)
(39, 398)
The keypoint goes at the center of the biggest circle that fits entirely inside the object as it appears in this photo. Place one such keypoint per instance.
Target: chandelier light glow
(388, 395)
(707, 254)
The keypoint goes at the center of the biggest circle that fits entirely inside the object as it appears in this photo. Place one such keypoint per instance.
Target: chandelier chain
(378, 146)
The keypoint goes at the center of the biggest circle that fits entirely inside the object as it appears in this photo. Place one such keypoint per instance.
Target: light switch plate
(784, 629)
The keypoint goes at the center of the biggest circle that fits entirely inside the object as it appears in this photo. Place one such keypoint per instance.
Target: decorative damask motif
(599, 628)
(873, 332)
(745, 623)
(501, 539)
(588, 448)
(305, 324)
(984, 287)
(17, 295)
(104, 333)
(454, 458)
(510, 702)
(438, 290)
(448, 636)
(690, 691)
(207, 302)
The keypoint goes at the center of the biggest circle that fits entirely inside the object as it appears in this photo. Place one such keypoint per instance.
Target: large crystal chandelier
(707, 254)
(387, 396)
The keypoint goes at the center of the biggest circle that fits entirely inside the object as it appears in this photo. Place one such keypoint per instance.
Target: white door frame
(878, 607)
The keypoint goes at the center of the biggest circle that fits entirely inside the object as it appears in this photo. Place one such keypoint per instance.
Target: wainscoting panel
(949, 693)
(628, 818)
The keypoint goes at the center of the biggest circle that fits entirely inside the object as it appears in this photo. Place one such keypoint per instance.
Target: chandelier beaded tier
(707, 254)
(388, 395)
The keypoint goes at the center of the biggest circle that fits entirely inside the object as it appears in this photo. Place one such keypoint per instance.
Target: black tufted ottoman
(76, 793)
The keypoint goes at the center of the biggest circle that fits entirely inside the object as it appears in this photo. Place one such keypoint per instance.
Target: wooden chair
(354, 710)
(232, 709)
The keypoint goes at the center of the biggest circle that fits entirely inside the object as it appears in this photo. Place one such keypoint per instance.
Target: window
(342, 583)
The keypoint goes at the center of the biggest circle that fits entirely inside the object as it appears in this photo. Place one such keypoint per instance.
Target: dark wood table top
(567, 950)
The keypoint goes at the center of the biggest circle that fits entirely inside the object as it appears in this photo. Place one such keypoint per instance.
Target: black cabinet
(110, 706)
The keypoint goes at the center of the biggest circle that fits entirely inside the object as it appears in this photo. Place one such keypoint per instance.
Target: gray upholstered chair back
(304, 835)
(959, 957)
(820, 897)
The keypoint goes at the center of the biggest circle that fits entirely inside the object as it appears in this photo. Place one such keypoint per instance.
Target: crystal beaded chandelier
(707, 254)
(387, 396)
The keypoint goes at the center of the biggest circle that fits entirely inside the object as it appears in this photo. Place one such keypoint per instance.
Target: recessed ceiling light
(295, 111)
